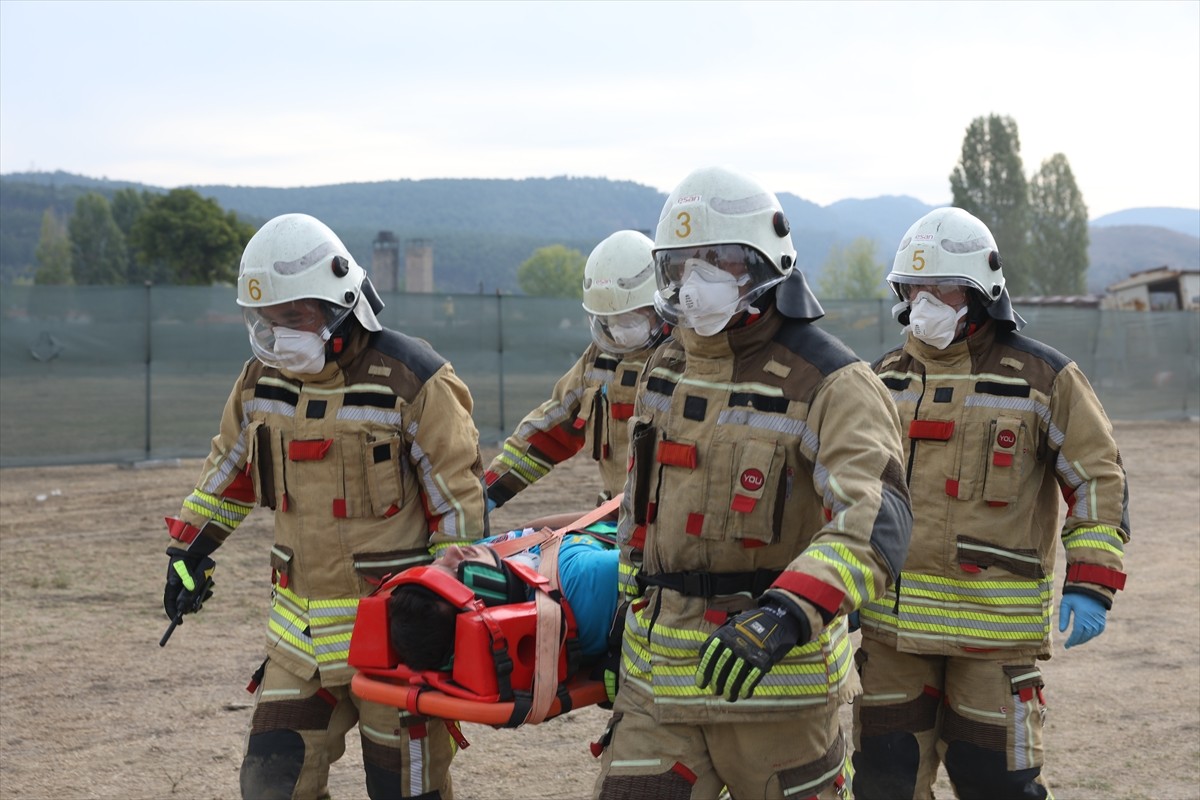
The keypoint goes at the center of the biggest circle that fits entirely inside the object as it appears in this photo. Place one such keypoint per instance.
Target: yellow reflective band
(184, 575)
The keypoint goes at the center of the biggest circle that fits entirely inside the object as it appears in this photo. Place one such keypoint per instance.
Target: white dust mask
(300, 351)
(631, 334)
(708, 297)
(934, 322)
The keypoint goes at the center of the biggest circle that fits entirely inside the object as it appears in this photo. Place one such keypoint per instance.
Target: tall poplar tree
(53, 252)
(98, 253)
(1058, 234)
(989, 182)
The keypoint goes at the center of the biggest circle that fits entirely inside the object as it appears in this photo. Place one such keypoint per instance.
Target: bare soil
(92, 707)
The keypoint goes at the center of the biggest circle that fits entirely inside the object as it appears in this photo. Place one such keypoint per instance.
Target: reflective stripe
(528, 469)
(1099, 537)
(550, 416)
(856, 576)
(229, 512)
(666, 664)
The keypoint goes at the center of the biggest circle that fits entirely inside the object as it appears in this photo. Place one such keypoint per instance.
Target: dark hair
(421, 626)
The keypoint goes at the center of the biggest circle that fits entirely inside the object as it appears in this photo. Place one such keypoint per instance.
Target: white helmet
(296, 257)
(618, 293)
(719, 221)
(950, 246)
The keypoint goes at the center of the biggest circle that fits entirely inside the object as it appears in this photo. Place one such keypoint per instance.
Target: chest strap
(711, 584)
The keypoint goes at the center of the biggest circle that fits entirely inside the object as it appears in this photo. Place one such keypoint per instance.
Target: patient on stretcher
(422, 623)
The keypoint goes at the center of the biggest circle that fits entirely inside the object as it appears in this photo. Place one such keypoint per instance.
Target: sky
(826, 101)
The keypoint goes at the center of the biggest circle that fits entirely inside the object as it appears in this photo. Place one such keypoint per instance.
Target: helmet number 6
(918, 263)
(253, 289)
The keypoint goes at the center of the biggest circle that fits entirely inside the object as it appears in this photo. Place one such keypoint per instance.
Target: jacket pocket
(642, 465)
(1005, 461)
(373, 568)
(281, 565)
(755, 492)
(385, 463)
(975, 555)
(266, 464)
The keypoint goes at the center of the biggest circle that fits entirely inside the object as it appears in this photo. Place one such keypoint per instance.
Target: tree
(127, 205)
(53, 252)
(852, 273)
(553, 271)
(98, 253)
(1058, 239)
(989, 182)
(195, 241)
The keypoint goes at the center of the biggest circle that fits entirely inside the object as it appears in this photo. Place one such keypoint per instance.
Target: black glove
(739, 653)
(189, 583)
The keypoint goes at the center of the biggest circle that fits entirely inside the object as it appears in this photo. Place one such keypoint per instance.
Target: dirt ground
(92, 707)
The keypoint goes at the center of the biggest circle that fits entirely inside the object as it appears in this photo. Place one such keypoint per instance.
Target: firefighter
(998, 427)
(360, 441)
(765, 502)
(591, 404)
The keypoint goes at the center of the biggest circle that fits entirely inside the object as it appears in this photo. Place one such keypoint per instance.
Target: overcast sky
(824, 100)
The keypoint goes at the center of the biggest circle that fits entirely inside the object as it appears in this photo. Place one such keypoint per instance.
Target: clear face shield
(292, 335)
(704, 287)
(626, 332)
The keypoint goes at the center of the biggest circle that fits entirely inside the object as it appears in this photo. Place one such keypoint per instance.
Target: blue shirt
(587, 573)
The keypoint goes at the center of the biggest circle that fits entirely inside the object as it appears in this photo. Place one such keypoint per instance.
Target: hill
(1180, 220)
(1115, 252)
(483, 229)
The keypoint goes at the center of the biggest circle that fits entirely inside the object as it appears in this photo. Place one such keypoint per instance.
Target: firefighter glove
(189, 582)
(739, 653)
(1089, 615)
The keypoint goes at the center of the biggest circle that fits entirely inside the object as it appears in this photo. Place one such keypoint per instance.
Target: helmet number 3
(253, 289)
(685, 225)
(918, 262)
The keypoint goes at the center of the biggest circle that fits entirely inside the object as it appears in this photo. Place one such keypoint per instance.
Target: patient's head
(422, 627)
(422, 622)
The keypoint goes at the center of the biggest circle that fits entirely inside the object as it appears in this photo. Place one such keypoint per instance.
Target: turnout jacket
(589, 409)
(998, 429)
(766, 457)
(370, 466)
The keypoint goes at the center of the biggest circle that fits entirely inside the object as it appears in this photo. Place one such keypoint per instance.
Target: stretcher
(514, 664)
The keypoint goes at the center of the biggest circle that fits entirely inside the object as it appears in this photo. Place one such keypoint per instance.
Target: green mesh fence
(113, 374)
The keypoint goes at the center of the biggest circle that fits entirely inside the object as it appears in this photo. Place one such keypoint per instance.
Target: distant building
(385, 262)
(1158, 289)
(418, 266)
(1059, 301)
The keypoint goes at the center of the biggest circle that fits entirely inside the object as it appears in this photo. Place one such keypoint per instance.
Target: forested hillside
(482, 230)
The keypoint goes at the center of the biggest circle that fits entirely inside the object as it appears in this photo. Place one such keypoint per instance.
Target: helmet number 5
(685, 225)
(253, 289)
(918, 263)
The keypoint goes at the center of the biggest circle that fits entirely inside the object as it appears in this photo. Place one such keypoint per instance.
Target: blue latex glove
(853, 621)
(1090, 617)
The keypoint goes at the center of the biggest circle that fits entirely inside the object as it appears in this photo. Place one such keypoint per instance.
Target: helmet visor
(626, 332)
(747, 268)
(952, 291)
(313, 316)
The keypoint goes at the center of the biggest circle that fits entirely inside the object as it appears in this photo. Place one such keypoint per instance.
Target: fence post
(500, 360)
(148, 354)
